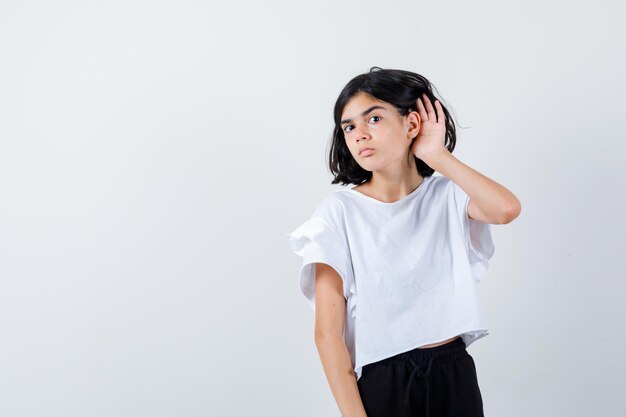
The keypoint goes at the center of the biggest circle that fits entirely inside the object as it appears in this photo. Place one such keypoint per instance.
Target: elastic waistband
(449, 351)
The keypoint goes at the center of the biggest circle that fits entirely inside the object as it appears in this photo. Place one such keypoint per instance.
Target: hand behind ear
(431, 137)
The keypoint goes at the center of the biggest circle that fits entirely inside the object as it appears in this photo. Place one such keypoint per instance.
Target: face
(381, 128)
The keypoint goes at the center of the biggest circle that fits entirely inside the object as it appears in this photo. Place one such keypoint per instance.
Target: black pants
(429, 382)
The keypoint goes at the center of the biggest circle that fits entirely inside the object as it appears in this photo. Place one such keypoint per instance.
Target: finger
(421, 110)
(429, 108)
(441, 116)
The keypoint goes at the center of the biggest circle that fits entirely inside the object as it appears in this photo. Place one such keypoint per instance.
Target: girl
(391, 265)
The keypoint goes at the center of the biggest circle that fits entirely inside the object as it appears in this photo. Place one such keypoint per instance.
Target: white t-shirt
(410, 268)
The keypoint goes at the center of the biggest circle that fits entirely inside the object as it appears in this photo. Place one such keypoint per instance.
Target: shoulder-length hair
(396, 87)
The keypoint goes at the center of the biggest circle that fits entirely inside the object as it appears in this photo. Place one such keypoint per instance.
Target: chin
(369, 167)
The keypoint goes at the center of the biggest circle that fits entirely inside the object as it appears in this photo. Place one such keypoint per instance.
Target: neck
(392, 186)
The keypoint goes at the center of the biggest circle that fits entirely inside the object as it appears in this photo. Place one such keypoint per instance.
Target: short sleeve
(477, 235)
(316, 241)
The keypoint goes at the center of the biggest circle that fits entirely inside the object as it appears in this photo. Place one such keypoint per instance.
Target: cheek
(392, 144)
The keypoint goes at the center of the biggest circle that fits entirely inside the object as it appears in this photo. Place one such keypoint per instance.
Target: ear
(414, 124)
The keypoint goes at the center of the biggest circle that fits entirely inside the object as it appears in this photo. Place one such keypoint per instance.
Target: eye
(345, 128)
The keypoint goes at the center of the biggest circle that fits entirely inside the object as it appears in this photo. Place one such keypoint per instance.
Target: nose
(361, 134)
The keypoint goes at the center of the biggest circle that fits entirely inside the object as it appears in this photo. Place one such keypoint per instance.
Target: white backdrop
(153, 154)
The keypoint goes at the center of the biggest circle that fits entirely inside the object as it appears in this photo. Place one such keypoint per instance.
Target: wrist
(436, 158)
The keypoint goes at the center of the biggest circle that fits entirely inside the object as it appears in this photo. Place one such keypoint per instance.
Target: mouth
(366, 151)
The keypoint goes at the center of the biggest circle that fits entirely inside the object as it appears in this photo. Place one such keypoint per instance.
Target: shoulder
(441, 181)
(444, 185)
(335, 208)
(332, 207)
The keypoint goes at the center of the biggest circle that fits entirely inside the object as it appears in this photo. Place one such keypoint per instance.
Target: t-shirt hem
(484, 331)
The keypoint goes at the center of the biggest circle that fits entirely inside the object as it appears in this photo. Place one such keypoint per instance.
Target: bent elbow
(512, 212)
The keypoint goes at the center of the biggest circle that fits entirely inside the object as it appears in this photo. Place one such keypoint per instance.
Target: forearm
(340, 375)
(495, 200)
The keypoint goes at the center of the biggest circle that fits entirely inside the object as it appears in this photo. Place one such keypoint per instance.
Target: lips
(365, 150)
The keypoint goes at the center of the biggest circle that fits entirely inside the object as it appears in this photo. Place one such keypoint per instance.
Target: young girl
(391, 265)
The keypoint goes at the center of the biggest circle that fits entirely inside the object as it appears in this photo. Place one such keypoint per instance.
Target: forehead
(360, 102)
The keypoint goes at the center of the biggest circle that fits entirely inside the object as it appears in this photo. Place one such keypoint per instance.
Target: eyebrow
(364, 113)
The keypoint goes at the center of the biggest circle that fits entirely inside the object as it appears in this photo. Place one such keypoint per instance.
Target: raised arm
(330, 317)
